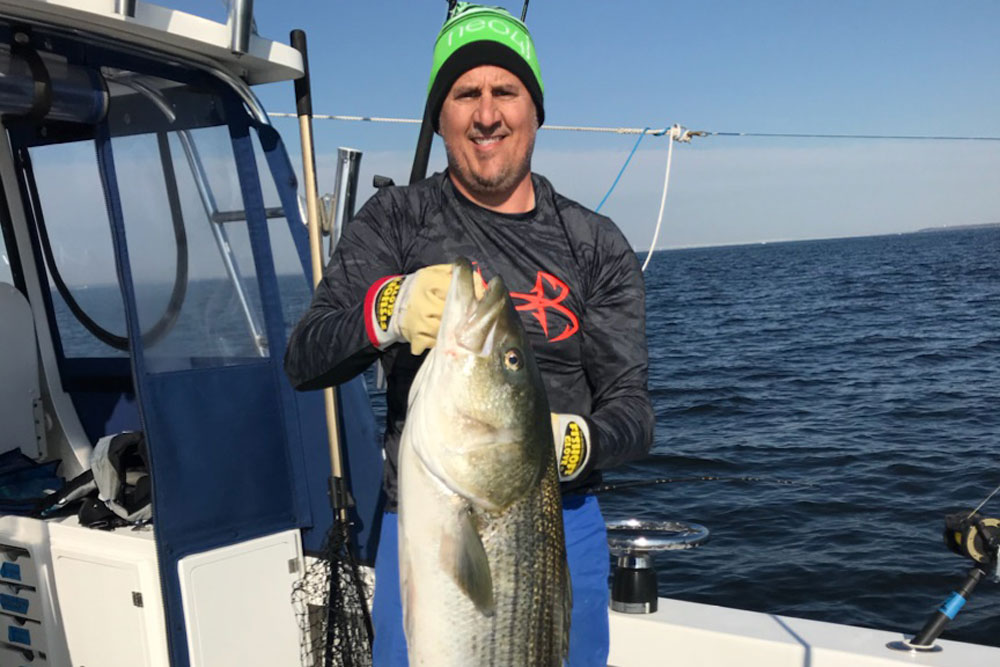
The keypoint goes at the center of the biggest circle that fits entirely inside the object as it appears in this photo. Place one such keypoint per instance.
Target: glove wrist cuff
(573, 446)
(380, 305)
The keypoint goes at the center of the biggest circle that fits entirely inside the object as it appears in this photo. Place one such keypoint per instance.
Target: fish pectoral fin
(463, 557)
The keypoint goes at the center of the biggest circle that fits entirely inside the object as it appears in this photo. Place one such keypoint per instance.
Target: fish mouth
(468, 322)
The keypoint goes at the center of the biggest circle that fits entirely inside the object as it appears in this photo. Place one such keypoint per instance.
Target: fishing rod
(422, 154)
(633, 542)
(638, 483)
(985, 500)
(977, 538)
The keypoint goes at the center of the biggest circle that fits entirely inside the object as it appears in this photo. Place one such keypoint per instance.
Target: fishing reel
(976, 537)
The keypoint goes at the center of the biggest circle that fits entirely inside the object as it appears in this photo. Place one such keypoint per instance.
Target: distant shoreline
(953, 228)
(924, 230)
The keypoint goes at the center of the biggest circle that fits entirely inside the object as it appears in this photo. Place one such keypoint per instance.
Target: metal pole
(204, 188)
(125, 8)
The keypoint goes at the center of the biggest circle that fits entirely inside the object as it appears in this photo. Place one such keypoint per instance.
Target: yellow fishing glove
(408, 308)
(572, 439)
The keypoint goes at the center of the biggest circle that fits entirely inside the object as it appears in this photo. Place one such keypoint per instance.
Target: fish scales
(483, 571)
(527, 577)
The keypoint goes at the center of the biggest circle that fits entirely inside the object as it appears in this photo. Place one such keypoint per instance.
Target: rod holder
(240, 25)
(924, 640)
(633, 585)
(348, 167)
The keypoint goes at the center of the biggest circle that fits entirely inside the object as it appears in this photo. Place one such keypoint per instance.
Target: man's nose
(487, 114)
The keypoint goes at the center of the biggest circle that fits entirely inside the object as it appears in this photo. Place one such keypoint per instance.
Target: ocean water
(865, 370)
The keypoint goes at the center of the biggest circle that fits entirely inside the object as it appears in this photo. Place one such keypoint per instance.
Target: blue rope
(618, 177)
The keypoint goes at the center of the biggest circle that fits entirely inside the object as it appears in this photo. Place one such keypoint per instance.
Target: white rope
(680, 134)
(685, 136)
(414, 121)
(366, 119)
(614, 130)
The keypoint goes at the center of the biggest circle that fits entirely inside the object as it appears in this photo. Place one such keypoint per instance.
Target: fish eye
(512, 359)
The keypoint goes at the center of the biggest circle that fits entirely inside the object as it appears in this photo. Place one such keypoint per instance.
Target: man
(572, 276)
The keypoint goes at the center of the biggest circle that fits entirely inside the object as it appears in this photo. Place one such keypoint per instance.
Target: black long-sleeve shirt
(571, 274)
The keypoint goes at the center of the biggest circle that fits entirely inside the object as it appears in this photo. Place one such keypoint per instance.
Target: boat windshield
(195, 277)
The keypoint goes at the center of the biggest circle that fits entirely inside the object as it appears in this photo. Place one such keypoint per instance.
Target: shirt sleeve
(329, 345)
(617, 363)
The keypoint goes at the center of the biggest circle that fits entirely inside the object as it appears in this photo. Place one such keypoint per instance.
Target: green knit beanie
(475, 35)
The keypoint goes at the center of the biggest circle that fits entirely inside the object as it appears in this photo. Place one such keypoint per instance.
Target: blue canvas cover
(230, 445)
(362, 457)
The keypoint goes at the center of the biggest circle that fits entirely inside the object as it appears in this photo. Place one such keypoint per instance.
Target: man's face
(488, 123)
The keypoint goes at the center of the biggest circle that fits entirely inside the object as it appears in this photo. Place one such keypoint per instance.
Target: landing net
(331, 606)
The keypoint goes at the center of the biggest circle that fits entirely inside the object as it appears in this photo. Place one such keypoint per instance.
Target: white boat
(140, 174)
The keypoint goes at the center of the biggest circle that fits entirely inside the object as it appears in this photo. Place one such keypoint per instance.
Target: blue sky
(875, 67)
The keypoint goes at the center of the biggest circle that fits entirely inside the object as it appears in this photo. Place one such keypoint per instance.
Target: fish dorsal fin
(464, 558)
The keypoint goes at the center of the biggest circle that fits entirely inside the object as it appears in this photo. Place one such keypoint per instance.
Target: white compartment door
(103, 610)
(238, 603)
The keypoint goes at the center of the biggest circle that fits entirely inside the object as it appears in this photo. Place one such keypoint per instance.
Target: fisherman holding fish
(572, 278)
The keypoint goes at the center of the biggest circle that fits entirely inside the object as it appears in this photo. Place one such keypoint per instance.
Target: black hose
(179, 291)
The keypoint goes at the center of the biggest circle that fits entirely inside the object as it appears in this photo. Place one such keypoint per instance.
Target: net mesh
(331, 604)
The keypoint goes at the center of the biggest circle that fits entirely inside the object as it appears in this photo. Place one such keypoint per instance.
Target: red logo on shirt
(542, 305)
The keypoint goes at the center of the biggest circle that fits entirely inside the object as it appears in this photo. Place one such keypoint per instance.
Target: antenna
(524, 11)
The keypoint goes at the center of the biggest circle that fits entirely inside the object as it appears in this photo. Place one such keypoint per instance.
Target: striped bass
(483, 573)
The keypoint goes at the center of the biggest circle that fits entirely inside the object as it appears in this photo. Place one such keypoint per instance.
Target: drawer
(20, 601)
(11, 656)
(22, 633)
(16, 565)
